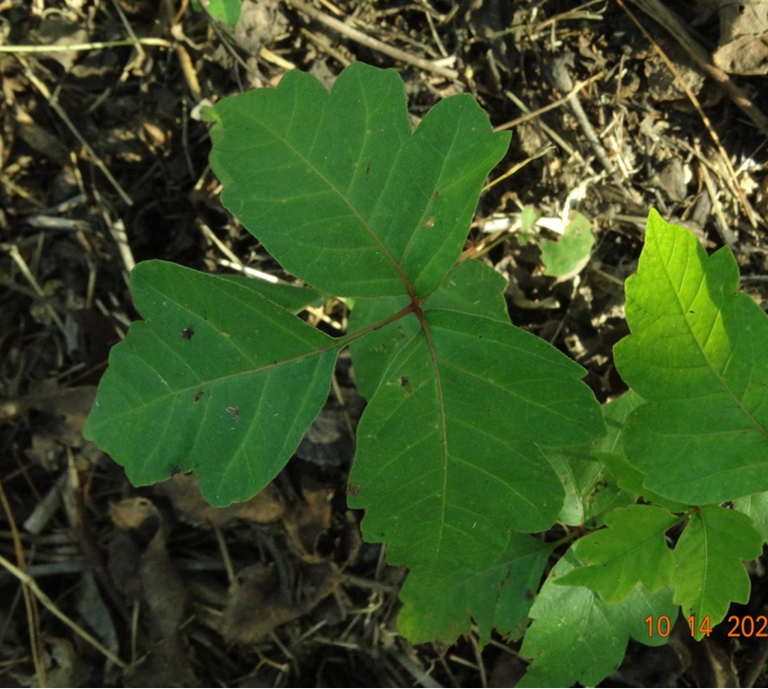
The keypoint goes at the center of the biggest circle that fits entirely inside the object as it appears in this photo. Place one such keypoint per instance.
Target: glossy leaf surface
(696, 356)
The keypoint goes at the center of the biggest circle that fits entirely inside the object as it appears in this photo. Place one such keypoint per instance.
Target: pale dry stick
(562, 81)
(225, 556)
(435, 35)
(117, 230)
(332, 8)
(479, 658)
(33, 615)
(418, 673)
(546, 148)
(190, 75)
(251, 272)
(21, 192)
(141, 56)
(53, 102)
(373, 43)
(575, 13)
(726, 233)
(551, 133)
(673, 25)
(211, 237)
(13, 250)
(24, 578)
(266, 54)
(80, 47)
(324, 44)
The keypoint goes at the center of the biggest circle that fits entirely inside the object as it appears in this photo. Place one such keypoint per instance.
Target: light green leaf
(696, 355)
(341, 192)
(568, 256)
(632, 549)
(234, 416)
(609, 450)
(443, 607)
(756, 507)
(576, 637)
(226, 11)
(709, 572)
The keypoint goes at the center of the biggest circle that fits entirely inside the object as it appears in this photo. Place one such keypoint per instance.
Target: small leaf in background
(341, 192)
(217, 379)
(632, 549)
(590, 490)
(696, 356)
(226, 11)
(497, 598)
(528, 218)
(567, 257)
(576, 637)
(709, 572)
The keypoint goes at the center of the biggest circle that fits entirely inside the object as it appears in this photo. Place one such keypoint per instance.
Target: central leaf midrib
(346, 201)
(723, 383)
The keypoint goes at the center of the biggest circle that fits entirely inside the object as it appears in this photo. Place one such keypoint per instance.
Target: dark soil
(104, 163)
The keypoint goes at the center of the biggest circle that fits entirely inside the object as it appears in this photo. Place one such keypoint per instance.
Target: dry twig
(374, 44)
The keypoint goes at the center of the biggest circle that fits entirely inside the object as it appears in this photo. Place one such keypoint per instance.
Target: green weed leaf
(444, 606)
(576, 637)
(196, 385)
(339, 189)
(447, 445)
(709, 572)
(226, 11)
(571, 252)
(632, 549)
(696, 356)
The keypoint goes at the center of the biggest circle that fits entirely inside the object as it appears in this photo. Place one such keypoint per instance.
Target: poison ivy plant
(477, 435)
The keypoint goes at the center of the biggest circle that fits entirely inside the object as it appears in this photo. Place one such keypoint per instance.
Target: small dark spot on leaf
(354, 489)
(368, 171)
(175, 470)
(187, 333)
(198, 396)
(234, 412)
(405, 383)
